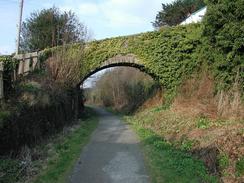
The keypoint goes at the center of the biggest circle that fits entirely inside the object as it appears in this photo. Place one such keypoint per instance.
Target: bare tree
(64, 67)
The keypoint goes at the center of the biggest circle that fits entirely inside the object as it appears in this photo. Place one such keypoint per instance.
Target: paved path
(112, 155)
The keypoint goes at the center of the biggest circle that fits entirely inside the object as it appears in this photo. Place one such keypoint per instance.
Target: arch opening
(122, 88)
(128, 60)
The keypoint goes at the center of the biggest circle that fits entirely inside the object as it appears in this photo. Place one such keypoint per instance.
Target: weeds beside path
(56, 157)
(168, 164)
(68, 151)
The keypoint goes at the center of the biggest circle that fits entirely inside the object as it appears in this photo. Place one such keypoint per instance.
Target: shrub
(224, 30)
(42, 103)
(9, 66)
(63, 68)
(31, 123)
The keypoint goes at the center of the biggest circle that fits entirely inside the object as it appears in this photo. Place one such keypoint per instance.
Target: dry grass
(154, 101)
(204, 137)
(229, 104)
(196, 98)
(209, 124)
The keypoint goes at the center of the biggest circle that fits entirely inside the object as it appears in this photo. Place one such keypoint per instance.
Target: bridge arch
(129, 60)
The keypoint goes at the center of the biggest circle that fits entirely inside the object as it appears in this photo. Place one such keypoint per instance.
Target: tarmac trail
(112, 156)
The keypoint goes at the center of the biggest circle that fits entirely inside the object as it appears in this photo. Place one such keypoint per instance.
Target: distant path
(112, 155)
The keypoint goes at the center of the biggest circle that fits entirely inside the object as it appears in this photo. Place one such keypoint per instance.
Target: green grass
(203, 123)
(67, 153)
(223, 161)
(3, 116)
(168, 164)
(240, 166)
(9, 169)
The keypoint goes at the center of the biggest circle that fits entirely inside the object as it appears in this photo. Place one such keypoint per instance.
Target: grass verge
(68, 151)
(52, 161)
(168, 164)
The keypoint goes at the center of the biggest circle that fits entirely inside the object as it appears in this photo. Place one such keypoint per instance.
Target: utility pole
(19, 26)
(1, 82)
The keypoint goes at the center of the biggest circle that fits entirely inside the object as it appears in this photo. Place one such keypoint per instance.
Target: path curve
(112, 156)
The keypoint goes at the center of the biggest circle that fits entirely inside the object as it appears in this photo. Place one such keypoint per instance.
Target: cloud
(116, 17)
(88, 9)
(123, 4)
(117, 13)
(120, 13)
(121, 19)
(6, 49)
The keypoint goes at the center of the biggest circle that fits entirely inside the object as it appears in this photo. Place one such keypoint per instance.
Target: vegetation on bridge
(171, 55)
(168, 54)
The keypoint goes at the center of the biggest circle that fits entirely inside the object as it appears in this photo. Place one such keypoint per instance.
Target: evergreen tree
(49, 28)
(223, 28)
(174, 13)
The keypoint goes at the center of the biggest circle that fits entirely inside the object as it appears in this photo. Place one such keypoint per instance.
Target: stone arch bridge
(168, 54)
